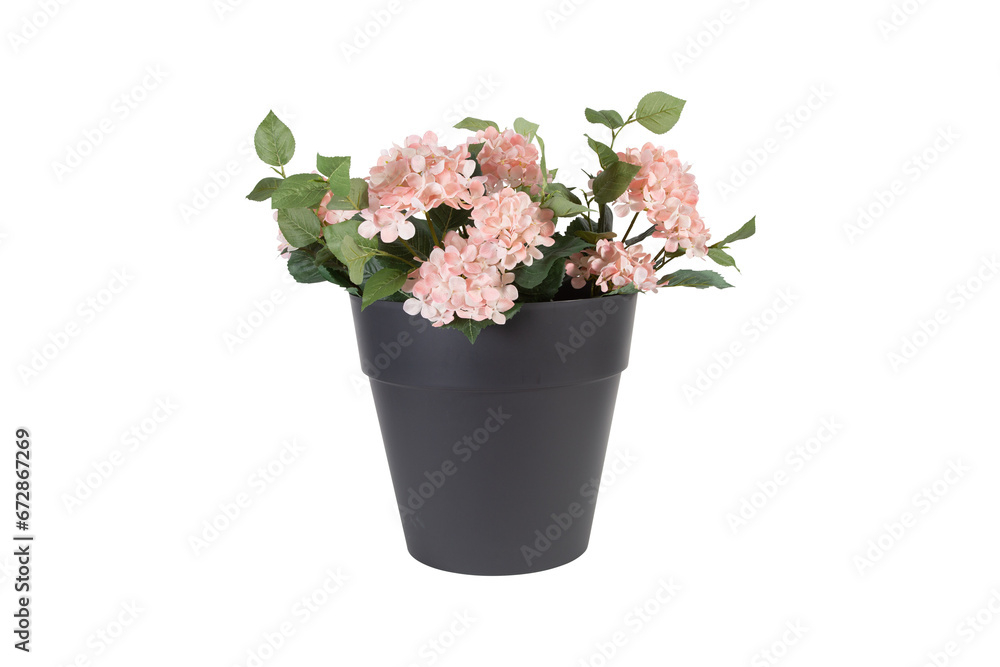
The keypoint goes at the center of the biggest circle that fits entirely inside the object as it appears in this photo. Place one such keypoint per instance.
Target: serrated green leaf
(721, 257)
(355, 255)
(472, 328)
(525, 128)
(475, 124)
(658, 112)
(639, 238)
(264, 189)
(340, 177)
(338, 170)
(606, 117)
(334, 234)
(565, 192)
(562, 207)
(604, 152)
(613, 181)
(382, 284)
(564, 246)
(696, 279)
(273, 141)
(594, 237)
(624, 289)
(744, 232)
(356, 199)
(303, 268)
(299, 226)
(299, 191)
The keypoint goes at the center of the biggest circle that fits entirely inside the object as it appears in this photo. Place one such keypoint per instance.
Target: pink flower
(518, 224)
(614, 266)
(507, 159)
(332, 216)
(667, 192)
(413, 178)
(461, 279)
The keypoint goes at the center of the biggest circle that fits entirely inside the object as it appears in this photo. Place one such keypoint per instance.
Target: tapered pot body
(496, 448)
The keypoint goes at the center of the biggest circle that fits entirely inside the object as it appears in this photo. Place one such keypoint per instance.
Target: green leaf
(381, 285)
(565, 192)
(658, 112)
(696, 279)
(525, 128)
(604, 152)
(562, 207)
(607, 221)
(299, 226)
(545, 290)
(472, 328)
(613, 181)
(744, 232)
(624, 289)
(356, 199)
(475, 124)
(273, 141)
(299, 191)
(532, 276)
(355, 255)
(594, 237)
(264, 189)
(606, 117)
(639, 238)
(721, 257)
(338, 170)
(445, 217)
(303, 268)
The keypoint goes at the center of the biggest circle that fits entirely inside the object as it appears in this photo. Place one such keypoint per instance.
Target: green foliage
(356, 199)
(299, 226)
(744, 232)
(658, 112)
(273, 141)
(355, 254)
(299, 190)
(526, 128)
(608, 118)
(382, 284)
(338, 169)
(605, 154)
(562, 207)
(475, 124)
(472, 328)
(722, 258)
(696, 279)
(613, 181)
(264, 189)
(564, 246)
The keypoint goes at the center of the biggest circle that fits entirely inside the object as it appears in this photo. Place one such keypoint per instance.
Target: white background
(838, 104)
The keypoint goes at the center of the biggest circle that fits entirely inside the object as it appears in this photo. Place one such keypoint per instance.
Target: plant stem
(634, 217)
(433, 233)
(410, 248)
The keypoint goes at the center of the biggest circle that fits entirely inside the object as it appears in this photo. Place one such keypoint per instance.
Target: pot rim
(566, 303)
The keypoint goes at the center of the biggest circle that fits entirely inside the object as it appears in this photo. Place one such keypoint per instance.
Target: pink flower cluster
(507, 158)
(666, 191)
(517, 224)
(463, 278)
(412, 178)
(469, 277)
(614, 265)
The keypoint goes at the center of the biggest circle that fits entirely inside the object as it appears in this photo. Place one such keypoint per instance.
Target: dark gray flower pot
(496, 449)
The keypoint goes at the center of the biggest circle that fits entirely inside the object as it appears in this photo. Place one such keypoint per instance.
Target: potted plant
(488, 298)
